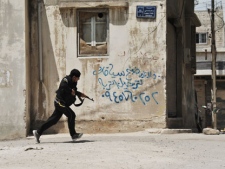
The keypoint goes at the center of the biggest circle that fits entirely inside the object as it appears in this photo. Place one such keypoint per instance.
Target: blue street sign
(146, 12)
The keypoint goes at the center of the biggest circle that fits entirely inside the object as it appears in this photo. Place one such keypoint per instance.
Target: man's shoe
(36, 135)
(77, 136)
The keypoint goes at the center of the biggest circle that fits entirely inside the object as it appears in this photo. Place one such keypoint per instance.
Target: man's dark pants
(57, 114)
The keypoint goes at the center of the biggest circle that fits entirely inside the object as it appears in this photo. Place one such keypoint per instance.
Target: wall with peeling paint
(136, 52)
(13, 114)
(133, 87)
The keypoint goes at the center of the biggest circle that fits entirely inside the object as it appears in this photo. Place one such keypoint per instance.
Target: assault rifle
(82, 101)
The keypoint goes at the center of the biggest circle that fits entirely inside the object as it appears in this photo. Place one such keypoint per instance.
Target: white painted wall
(12, 69)
(134, 44)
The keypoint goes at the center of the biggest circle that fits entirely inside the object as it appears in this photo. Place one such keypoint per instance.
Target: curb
(168, 131)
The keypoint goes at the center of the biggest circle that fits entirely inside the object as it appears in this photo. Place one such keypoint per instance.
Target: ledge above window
(108, 4)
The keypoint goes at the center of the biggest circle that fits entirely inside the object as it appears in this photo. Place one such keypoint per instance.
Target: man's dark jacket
(65, 89)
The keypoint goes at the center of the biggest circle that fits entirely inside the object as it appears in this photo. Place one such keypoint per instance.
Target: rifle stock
(82, 101)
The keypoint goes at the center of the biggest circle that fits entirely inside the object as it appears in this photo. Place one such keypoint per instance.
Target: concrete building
(137, 60)
(203, 78)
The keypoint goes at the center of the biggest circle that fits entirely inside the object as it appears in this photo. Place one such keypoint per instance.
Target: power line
(222, 21)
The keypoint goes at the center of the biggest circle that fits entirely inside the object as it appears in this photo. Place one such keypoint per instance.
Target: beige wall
(134, 44)
(12, 69)
(36, 55)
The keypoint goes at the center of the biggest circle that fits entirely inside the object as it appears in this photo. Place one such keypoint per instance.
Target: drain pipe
(40, 41)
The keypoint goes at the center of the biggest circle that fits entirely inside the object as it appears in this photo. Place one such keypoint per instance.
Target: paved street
(140, 150)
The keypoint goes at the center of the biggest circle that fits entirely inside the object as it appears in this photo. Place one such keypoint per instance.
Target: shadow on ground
(80, 141)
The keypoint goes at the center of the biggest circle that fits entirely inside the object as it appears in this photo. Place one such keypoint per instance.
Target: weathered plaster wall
(137, 45)
(180, 51)
(12, 69)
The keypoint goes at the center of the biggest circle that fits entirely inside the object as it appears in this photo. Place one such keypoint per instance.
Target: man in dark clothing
(65, 97)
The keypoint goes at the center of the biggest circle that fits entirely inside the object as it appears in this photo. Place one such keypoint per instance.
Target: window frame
(94, 10)
(200, 38)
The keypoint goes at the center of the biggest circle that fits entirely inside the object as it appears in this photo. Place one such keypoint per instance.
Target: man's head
(75, 75)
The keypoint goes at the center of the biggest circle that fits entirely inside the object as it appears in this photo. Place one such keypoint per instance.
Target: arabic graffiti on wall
(127, 81)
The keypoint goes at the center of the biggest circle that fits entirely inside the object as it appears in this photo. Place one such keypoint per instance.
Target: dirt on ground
(139, 150)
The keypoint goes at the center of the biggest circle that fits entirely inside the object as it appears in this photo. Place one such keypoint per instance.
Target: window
(201, 38)
(93, 32)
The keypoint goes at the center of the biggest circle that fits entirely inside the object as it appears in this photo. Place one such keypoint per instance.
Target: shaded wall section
(45, 76)
(181, 63)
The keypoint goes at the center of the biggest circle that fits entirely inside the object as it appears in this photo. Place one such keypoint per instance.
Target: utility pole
(213, 50)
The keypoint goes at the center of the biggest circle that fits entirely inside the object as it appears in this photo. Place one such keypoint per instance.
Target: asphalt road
(140, 150)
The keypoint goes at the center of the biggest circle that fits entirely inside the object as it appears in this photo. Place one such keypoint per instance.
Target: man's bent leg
(53, 119)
